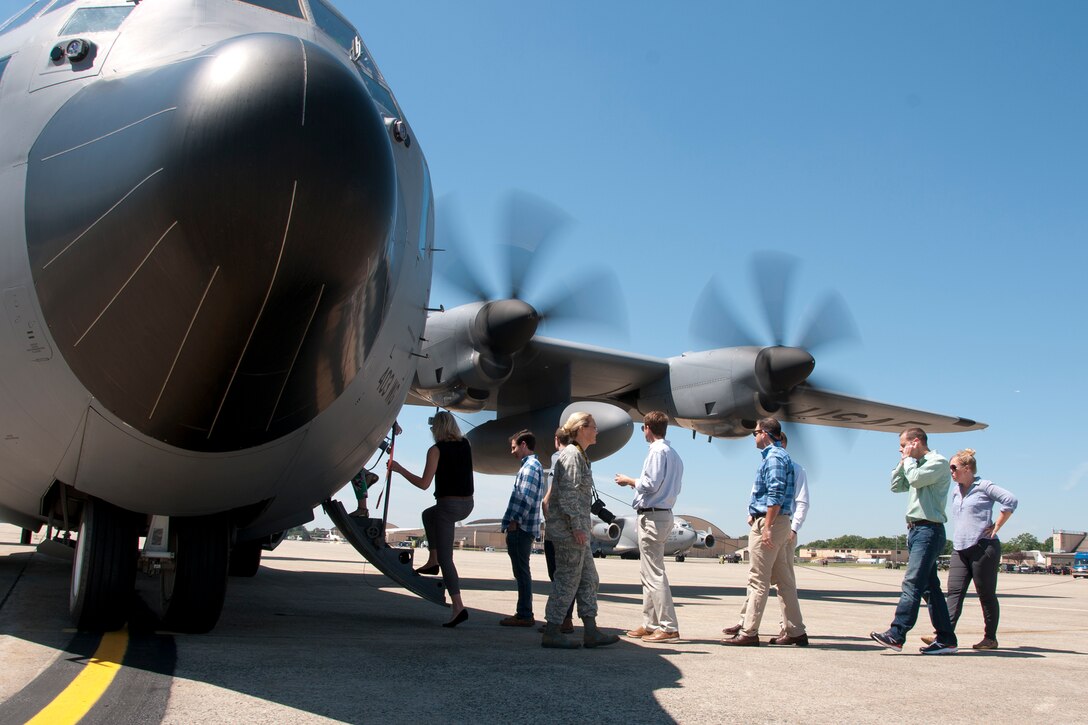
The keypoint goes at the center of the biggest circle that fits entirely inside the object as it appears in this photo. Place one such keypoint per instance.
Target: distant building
(1070, 541)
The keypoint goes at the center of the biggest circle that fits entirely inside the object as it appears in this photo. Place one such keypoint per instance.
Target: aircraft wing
(821, 407)
(550, 371)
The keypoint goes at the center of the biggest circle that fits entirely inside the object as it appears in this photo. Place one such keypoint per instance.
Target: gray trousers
(439, 521)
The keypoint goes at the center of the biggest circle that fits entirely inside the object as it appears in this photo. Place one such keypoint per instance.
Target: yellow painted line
(89, 685)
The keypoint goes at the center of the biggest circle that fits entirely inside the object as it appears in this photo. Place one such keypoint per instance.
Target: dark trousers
(439, 522)
(924, 544)
(519, 545)
(979, 564)
(549, 559)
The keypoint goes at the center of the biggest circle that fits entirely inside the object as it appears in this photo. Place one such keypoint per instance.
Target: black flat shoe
(432, 569)
(461, 616)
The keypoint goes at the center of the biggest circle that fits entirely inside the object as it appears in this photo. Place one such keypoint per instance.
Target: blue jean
(924, 545)
(519, 544)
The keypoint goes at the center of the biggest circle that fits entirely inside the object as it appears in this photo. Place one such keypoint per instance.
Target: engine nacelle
(704, 540)
(605, 533)
(491, 441)
(468, 351)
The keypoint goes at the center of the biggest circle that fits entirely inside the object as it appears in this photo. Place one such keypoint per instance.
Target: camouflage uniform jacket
(572, 495)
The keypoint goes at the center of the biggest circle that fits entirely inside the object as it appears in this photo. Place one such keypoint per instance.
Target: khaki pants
(658, 611)
(768, 563)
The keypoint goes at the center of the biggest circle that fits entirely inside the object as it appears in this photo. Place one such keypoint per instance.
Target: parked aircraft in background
(621, 537)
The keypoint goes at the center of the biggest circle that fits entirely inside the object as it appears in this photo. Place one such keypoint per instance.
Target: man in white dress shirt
(655, 494)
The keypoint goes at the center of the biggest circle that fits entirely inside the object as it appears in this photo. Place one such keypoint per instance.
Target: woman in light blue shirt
(976, 552)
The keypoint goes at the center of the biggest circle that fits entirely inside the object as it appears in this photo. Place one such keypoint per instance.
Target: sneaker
(936, 648)
(986, 643)
(929, 639)
(886, 640)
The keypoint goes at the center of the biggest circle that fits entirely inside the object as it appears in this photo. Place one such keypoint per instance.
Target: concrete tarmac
(319, 636)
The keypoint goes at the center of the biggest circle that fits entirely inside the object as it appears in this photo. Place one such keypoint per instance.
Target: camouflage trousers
(575, 578)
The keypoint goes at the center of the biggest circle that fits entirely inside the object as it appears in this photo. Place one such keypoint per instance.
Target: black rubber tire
(194, 590)
(104, 567)
(245, 558)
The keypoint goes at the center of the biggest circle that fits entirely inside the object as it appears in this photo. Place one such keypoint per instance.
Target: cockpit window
(57, 5)
(334, 24)
(3, 65)
(96, 20)
(23, 16)
(287, 7)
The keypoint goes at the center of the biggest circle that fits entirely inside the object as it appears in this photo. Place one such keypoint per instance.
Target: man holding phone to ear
(925, 476)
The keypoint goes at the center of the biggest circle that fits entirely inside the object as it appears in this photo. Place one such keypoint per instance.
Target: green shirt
(927, 481)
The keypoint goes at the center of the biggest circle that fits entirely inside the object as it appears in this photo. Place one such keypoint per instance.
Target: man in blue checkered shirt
(522, 524)
(769, 512)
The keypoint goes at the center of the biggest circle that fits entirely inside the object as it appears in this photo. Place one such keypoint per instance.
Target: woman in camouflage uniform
(568, 526)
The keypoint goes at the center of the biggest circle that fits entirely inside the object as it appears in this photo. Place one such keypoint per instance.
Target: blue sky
(926, 160)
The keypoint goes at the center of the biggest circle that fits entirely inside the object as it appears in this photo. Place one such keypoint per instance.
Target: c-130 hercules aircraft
(217, 258)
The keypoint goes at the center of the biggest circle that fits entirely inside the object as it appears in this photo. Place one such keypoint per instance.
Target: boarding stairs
(368, 538)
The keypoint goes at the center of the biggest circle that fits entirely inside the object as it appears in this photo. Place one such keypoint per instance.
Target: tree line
(1021, 542)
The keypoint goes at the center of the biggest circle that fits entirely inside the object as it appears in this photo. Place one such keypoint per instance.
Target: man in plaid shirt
(522, 524)
(769, 512)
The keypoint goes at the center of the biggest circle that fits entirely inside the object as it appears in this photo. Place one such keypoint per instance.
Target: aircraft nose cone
(779, 369)
(221, 273)
(507, 325)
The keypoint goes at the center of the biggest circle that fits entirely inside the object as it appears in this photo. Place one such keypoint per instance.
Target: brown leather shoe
(662, 636)
(739, 640)
(986, 643)
(929, 639)
(517, 621)
(640, 632)
(800, 640)
(735, 629)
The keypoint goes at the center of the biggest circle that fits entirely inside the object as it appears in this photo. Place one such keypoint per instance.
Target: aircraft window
(57, 5)
(24, 16)
(379, 94)
(287, 7)
(95, 20)
(332, 23)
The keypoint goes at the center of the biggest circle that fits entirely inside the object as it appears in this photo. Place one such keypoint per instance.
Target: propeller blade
(714, 323)
(452, 263)
(531, 226)
(595, 297)
(829, 323)
(774, 273)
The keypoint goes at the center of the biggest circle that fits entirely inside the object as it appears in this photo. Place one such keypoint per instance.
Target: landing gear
(680, 557)
(245, 558)
(104, 569)
(194, 588)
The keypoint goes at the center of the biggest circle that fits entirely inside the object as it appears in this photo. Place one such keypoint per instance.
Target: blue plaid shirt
(524, 507)
(775, 481)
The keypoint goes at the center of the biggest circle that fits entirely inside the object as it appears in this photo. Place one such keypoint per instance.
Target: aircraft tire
(104, 567)
(245, 558)
(194, 591)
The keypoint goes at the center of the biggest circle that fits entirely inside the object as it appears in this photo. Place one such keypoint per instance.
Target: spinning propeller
(781, 369)
(528, 248)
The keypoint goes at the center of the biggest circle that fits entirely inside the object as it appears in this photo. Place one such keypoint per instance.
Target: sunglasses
(952, 467)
